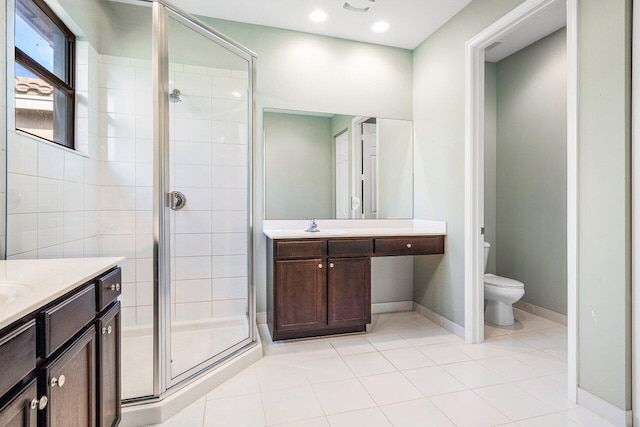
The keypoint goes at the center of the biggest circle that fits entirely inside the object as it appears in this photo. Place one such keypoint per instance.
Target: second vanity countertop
(283, 229)
(26, 285)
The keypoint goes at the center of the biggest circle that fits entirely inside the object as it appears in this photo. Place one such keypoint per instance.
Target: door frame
(635, 216)
(474, 172)
(356, 154)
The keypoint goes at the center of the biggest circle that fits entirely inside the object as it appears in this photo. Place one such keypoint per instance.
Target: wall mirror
(332, 166)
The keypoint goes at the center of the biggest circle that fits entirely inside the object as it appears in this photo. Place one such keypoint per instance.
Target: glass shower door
(209, 205)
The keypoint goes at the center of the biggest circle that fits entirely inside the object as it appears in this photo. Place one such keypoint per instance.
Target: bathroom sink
(10, 291)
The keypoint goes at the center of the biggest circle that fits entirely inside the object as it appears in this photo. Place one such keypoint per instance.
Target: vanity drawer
(62, 321)
(17, 355)
(300, 249)
(109, 288)
(349, 247)
(421, 245)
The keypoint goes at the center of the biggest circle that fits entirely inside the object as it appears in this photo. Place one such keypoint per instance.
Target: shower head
(174, 96)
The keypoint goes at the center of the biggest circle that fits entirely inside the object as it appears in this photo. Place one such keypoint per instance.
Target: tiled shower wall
(209, 164)
(52, 191)
(97, 201)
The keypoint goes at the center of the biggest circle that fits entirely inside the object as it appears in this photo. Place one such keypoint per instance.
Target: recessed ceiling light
(318, 16)
(380, 27)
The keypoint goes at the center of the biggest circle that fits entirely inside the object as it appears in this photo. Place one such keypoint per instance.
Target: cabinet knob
(107, 330)
(331, 265)
(319, 265)
(409, 245)
(58, 381)
(40, 404)
(115, 287)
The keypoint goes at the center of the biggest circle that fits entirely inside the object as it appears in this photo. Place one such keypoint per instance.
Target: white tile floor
(406, 371)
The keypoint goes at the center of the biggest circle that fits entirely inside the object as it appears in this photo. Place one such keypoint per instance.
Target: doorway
(528, 15)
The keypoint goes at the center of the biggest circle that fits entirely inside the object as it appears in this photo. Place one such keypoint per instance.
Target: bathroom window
(44, 73)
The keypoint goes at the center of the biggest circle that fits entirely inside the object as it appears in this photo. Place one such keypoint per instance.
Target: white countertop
(26, 285)
(295, 229)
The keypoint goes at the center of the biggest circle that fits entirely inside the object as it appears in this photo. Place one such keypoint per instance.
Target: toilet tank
(487, 246)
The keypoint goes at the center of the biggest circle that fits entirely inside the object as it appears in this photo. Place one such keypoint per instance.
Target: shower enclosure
(160, 174)
(203, 113)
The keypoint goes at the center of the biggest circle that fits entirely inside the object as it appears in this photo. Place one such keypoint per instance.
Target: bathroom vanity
(60, 342)
(320, 283)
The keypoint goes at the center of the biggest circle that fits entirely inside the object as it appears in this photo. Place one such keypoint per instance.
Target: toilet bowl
(501, 293)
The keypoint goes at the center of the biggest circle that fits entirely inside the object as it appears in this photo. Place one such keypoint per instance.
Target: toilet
(501, 293)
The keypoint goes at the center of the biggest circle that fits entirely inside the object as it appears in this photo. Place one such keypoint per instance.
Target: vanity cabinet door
(300, 294)
(108, 362)
(20, 412)
(69, 382)
(349, 291)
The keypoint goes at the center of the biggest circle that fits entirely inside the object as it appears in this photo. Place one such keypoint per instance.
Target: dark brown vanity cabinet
(69, 382)
(323, 286)
(61, 364)
(349, 291)
(19, 411)
(108, 367)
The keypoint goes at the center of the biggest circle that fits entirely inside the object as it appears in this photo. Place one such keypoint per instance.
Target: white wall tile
(73, 196)
(194, 107)
(229, 266)
(24, 154)
(229, 221)
(24, 233)
(117, 245)
(144, 293)
(144, 270)
(22, 193)
(192, 153)
(229, 308)
(73, 167)
(192, 245)
(74, 249)
(230, 288)
(192, 84)
(51, 252)
(192, 222)
(144, 245)
(229, 177)
(121, 101)
(117, 222)
(192, 176)
(115, 125)
(198, 199)
(116, 198)
(115, 76)
(193, 268)
(50, 195)
(73, 223)
(229, 244)
(118, 149)
(193, 290)
(144, 315)
(195, 130)
(50, 229)
(144, 151)
(229, 199)
(193, 311)
(144, 174)
(229, 110)
(229, 88)
(117, 173)
(50, 161)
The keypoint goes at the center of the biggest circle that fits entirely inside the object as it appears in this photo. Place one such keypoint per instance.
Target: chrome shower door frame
(162, 11)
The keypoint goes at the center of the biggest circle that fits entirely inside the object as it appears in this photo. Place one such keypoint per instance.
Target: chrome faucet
(313, 227)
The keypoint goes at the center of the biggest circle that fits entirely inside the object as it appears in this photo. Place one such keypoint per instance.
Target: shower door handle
(177, 200)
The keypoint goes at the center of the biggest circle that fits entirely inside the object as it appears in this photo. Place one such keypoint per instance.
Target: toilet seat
(502, 282)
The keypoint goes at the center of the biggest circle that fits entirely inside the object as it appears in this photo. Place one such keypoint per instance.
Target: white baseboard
(545, 313)
(143, 414)
(391, 307)
(611, 413)
(439, 320)
(261, 317)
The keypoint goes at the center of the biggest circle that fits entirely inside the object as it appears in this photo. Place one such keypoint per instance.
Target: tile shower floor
(406, 371)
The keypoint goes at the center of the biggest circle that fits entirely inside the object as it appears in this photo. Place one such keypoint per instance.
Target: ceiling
(551, 20)
(411, 21)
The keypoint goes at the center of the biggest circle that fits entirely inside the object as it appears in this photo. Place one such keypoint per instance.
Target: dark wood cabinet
(349, 291)
(108, 367)
(21, 410)
(69, 382)
(323, 286)
(60, 365)
(301, 294)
